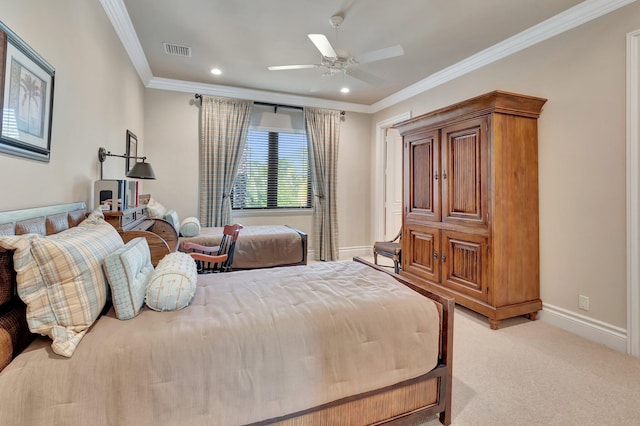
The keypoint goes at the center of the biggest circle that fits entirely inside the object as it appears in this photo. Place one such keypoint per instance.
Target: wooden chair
(391, 249)
(218, 258)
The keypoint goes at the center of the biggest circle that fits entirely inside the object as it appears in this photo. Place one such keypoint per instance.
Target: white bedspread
(252, 345)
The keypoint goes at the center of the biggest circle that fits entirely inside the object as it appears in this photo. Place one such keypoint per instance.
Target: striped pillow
(60, 279)
(128, 270)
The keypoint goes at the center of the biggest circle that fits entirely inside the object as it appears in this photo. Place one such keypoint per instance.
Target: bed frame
(404, 403)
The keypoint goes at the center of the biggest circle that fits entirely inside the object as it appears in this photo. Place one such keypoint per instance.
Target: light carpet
(532, 373)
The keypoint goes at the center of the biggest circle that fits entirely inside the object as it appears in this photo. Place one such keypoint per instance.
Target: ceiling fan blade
(378, 55)
(367, 77)
(322, 43)
(289, 67)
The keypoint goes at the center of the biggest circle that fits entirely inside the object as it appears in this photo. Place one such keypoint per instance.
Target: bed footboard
(403, 403)
(305, 248)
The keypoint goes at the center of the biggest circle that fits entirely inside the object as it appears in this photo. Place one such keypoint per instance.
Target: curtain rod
(275, 106)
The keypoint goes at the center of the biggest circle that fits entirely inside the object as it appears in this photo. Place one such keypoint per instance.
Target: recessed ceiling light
(216, 71)
(344, 90)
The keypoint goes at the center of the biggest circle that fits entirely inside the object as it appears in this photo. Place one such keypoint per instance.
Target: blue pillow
(172, 218)
(128, 270)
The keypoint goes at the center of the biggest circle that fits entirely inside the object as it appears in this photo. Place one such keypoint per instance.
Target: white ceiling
(244, 37)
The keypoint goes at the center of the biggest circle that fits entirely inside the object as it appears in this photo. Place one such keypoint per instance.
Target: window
(274, 172)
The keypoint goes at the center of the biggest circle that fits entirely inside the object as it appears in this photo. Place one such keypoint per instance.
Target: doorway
(379, 177)
(392, 183)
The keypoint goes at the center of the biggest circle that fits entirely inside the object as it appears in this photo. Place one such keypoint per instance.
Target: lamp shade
(141, 171)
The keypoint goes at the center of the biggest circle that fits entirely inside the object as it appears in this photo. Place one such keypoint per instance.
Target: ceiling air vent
(176, 50)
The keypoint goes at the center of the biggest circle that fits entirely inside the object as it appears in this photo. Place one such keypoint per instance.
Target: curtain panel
(224, 124)
(323, 133)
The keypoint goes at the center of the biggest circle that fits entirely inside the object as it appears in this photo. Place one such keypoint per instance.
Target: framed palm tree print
(26, 99)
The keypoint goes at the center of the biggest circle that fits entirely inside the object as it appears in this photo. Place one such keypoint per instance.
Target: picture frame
(26, 99)
(132, 151)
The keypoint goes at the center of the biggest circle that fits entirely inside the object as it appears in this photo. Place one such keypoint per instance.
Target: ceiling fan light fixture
(216, 71)
(345, 90)
(336, 21)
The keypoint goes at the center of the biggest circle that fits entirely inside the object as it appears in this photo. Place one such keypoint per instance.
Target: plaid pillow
(60, 279)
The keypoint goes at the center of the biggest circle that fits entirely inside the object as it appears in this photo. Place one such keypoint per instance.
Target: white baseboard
(347, 253)
(589, 328)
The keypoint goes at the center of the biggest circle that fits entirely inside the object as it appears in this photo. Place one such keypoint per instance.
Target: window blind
(274, 172)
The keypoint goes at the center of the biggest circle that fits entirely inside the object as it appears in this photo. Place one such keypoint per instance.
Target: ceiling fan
(332, 63)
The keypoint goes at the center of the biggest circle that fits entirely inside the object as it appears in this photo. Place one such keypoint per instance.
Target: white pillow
(128, 270)
(173, 283)
(190, 227)
(155, 209)
(61, 281)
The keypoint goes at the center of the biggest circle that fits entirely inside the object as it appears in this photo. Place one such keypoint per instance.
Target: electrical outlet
(583, 302)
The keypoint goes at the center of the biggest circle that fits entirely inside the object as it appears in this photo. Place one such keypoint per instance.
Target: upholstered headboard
(14, 332)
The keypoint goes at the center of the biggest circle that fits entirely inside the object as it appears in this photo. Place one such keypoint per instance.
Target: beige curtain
(224, 124)
(323, 132)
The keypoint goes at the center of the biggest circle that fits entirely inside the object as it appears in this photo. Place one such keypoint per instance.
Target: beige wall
(171, 129)
(98, 95)
(581, 155)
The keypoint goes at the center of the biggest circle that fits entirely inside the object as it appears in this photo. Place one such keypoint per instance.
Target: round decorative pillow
(190, 227)
(173, 283)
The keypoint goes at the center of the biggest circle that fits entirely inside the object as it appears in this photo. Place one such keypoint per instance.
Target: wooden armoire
(470, 221)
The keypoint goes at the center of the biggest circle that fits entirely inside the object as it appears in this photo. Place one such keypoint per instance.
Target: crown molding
(117, 13)
(252, 94)
(569, 19)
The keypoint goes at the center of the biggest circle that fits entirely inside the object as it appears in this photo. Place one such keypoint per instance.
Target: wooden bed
(405, 402)
(259, 246)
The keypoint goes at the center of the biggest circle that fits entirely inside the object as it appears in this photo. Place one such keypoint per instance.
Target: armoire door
(421, 172)
(465, 172)
(422, 247)
(464, 263)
